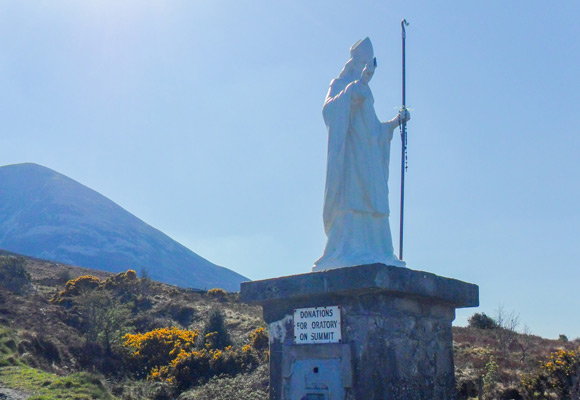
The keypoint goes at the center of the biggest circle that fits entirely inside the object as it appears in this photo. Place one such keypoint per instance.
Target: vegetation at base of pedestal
(85, 334)
(493, 360)
(173, 355)
(243, 386)
(68, 332)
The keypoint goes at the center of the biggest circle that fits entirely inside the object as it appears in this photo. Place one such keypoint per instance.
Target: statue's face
(369, 71)
(359, 65)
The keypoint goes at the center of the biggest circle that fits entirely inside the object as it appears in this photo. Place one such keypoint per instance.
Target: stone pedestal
(395, 342)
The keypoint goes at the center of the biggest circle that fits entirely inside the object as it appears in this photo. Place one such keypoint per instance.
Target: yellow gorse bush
(259, 339)
(160, 346)
(74, 287)
(217, 293)
(557, 377)
(82, 282)
(123, 281)
(561, 361)
(171, 355)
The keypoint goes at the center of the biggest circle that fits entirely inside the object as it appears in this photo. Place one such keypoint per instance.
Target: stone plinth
(396, 338)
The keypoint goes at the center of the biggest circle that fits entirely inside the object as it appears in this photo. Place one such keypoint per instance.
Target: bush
(180, 311)
(482, 321)
(248, 386)
(491, 378)
(466, 389)
(159, 347)
(218, 294)
(190, 368)
(13, 275)
(259, 339)
(104, 319)
(125, 285)
(215, 332)
(558, 377)
(169, 355)
(63, 275)
(76, 287)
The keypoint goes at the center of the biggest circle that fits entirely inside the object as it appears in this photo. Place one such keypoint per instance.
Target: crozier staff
(356, 209)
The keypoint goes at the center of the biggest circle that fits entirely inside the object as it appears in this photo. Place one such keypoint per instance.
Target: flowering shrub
(125, 283)
(170, 355)
(259, 339)
(122, 280)
(218, 294)
(558, 376)
(75, 287)
(158, 348)
(198, 366)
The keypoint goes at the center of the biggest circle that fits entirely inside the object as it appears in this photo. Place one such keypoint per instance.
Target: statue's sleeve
(384, 143)
(336, 113)
(388, 130)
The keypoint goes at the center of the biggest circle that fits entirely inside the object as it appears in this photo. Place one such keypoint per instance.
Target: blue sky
(203, 118)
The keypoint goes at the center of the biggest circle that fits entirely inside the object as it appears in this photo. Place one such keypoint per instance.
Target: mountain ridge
(48, 215)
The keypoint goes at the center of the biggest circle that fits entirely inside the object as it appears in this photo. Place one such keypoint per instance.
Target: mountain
(47, 215)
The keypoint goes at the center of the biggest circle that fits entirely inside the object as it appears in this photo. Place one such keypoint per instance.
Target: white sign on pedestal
(317, 325)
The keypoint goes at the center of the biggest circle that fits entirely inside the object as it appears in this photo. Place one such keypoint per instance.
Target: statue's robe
(356, 207)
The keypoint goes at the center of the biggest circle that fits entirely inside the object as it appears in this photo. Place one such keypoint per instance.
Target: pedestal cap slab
(363, 279)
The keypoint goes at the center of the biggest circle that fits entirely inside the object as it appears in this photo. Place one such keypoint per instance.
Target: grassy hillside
(62, 330)
(72, 333)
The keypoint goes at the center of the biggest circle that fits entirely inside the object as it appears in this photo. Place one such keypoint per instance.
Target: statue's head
(361, 53)
(369, 71)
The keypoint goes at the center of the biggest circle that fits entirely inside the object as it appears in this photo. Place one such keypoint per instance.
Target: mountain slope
(47, 215)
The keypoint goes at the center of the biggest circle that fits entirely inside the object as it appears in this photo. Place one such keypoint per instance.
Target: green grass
(8, 348)
(46, 386)
(15, 374)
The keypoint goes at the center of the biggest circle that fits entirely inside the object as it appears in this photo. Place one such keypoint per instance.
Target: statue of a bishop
(356, 207)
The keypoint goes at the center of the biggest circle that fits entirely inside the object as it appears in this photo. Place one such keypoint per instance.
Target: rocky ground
(11, 394)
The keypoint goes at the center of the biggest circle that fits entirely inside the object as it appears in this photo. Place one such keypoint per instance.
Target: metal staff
(403, 128)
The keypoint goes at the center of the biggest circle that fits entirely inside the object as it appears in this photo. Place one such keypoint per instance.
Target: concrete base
(396, 333)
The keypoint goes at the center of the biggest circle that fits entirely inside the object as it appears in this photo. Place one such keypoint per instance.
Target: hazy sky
(203, 118)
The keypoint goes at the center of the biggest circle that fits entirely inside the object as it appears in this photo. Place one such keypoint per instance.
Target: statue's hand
(404, 116)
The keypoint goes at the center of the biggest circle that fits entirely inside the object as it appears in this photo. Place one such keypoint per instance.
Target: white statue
(356, 207)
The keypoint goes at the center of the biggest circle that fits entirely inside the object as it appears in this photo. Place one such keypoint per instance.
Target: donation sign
(317, 325)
